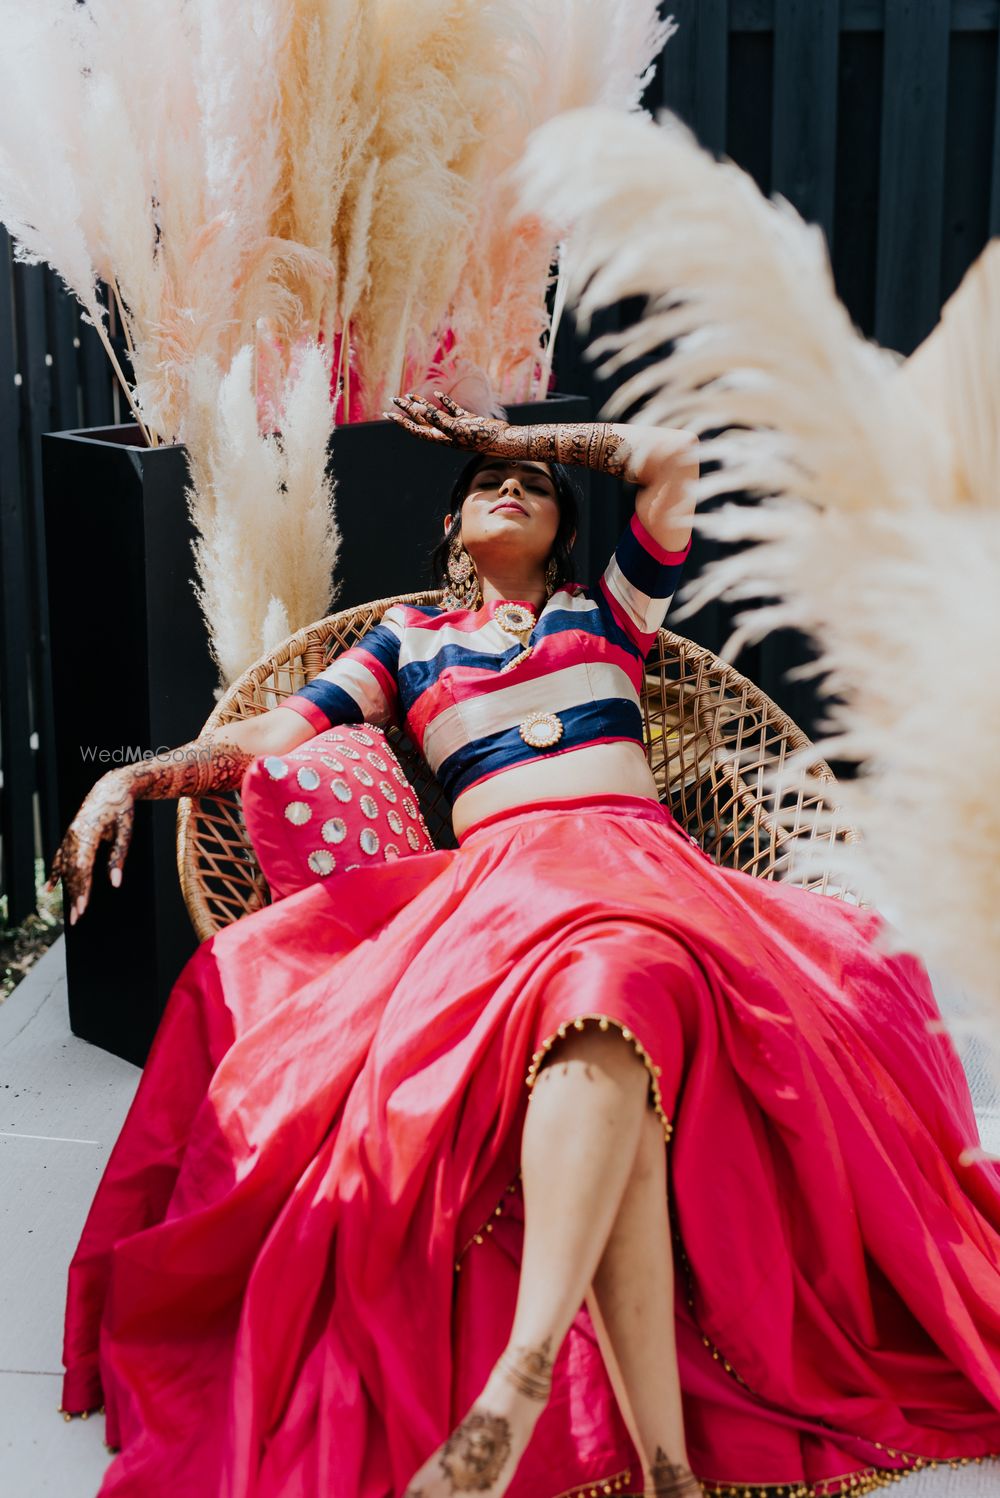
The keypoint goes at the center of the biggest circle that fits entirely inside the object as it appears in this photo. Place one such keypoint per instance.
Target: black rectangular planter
(132, 669)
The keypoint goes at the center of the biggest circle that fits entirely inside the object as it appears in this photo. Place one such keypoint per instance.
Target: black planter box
(131, 668)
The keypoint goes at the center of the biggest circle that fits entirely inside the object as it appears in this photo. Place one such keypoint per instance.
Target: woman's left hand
(452, 425)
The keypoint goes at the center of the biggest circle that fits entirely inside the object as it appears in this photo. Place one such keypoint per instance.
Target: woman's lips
(509, 504)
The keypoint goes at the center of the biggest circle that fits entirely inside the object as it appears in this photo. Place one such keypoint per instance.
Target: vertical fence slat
(914, 115)
(712, 72)
(64, 325)
(804, 170)
(859, 124)
(694, 68)
(804, 133)
(96, 377)
(676, 74)
(17, 826)
(36, 405)
(968, 158)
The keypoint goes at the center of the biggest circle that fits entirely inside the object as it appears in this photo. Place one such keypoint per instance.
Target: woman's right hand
(106, 815)
(448, 423)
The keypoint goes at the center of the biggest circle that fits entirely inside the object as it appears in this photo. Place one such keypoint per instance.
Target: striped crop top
(478, 699)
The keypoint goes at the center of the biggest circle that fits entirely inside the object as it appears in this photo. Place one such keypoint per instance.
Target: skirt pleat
(303, 1257)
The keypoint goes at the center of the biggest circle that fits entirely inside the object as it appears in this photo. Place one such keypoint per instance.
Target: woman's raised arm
(215, 762)
(661, 461)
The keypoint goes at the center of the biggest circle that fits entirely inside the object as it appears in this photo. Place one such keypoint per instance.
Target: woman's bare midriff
(618, 769)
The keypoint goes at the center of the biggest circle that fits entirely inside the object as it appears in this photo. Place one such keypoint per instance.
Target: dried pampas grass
(147, 148)
(329, 110)
(876, 527)
(581, 52)
(262, 506)
(447, 80)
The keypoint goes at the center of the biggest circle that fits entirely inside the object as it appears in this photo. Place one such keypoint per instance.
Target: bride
(730, 1246)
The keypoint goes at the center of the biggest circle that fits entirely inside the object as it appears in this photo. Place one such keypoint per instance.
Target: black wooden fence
(54, 375)
(878, 119)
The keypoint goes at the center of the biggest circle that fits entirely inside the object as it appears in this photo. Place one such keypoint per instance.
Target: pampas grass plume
(875, 528)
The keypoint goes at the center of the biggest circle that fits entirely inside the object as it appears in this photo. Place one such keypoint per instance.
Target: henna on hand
(585, 444)
(108, 810)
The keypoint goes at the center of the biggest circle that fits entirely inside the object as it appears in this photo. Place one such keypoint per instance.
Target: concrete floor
(62, 1103)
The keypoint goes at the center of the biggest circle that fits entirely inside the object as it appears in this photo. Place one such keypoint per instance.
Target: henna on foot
(668, 1479)
(482, 1453)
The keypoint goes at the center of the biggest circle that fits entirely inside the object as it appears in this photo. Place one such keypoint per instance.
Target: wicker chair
(710, 737)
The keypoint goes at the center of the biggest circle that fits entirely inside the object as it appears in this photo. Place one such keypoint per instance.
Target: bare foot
(482, 1453)
(669, 1479)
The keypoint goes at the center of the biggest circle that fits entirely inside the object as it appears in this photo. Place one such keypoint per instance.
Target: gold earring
(551, 577)
(464, 591)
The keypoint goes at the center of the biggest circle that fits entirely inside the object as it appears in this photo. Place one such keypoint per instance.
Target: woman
(336, 1253)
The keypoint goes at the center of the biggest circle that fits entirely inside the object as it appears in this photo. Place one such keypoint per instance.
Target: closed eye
(492, 478)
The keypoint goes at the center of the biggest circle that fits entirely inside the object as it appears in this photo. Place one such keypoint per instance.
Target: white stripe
(393, 619)
(360, 685)
(647, 614)
(424, 644)
(494, 712)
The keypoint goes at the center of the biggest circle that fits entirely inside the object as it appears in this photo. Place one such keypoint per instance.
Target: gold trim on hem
(856, 1484)
(487, 1227)
(615, 1483)
(605, 1022)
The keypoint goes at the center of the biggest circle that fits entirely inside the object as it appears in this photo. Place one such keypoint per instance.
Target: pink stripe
(650, 544)
(458, 619)
(432, 700)
(307, 709)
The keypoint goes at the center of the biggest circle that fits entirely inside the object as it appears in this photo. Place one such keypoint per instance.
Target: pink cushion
(338, 802)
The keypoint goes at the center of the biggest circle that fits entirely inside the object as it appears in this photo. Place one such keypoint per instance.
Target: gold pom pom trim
(605, 1022)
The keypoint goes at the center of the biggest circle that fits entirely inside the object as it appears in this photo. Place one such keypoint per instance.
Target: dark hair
(567, 499)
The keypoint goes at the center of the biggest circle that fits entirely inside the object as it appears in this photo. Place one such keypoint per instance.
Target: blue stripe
(338, 705)
(557, 620)
(381, 642)
(605, 624)
(611, 717)
(655, 579)
(416, 676)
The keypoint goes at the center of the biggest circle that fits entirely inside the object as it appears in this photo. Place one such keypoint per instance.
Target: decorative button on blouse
(541, 730)
(516, 619)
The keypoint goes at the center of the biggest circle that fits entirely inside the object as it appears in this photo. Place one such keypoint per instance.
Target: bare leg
(634, 1293)
(580, 1140)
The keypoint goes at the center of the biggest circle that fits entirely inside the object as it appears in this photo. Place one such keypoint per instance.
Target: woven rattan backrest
(710, 737)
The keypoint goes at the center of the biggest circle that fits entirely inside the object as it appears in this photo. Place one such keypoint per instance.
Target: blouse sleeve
(361, 685)
(638, 583)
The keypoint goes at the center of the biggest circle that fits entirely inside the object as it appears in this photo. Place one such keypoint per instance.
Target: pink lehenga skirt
(302, 1260)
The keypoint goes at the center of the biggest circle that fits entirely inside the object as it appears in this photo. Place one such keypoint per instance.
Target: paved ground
(62, 1102)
